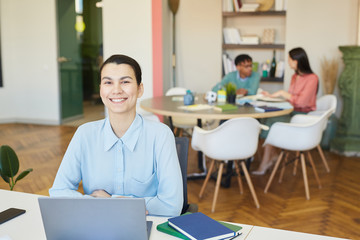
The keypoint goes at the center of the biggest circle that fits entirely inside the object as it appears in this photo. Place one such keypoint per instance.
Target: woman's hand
(100, 194)
(265, 93)
(281, 93)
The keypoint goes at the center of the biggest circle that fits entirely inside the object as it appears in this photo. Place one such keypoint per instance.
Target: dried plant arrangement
(329, 72)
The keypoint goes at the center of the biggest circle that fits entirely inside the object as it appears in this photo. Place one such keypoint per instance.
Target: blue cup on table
(188, 98)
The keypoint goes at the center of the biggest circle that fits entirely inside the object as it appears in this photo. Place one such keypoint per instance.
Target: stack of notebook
(198, 226)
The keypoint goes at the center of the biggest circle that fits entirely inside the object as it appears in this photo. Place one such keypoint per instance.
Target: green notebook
(164, 227)
(226, 107)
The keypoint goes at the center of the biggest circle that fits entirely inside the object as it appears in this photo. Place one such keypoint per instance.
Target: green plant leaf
(6, 179)
(9, 162)
(23, 174)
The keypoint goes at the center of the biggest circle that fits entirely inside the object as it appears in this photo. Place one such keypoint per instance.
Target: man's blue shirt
(250, 83)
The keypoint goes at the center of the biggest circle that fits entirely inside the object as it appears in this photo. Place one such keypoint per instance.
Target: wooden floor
(333, 210)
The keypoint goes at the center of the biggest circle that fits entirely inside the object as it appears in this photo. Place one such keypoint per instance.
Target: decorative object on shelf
(9, 166)
(249, 7)
(265, 68)
(347, 140)
(280, 66)
(329, 73)
(174, 6)
(230, 92)
(268, 36)
(250, 39)
(273, 66)
(265, 5)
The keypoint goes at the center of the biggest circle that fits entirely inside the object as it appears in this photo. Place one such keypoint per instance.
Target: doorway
(80, 55)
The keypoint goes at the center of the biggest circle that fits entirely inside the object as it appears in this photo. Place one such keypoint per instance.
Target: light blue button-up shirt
(143, 163)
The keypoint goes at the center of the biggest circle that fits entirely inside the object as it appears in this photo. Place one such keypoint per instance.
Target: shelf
(254, 46)
(257, 13)
(272, 79)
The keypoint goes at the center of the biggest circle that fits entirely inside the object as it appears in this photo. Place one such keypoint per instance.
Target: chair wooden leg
(303, 166)
(181, 131)
(207, 178)
(283, 167)
(248, 179)
(296, 163)
(218, 181)
(323, 158)
(274, 171)
(314, 169)
(238, 177)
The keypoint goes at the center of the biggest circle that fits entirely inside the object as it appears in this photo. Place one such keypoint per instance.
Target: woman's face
(118, 88)
(292, 63)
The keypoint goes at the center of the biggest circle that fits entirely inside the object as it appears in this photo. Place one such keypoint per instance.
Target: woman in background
(301, 95)
(123, 155)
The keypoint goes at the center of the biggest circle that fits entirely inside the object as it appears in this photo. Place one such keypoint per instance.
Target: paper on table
(283, 105)
(196, 107)
(270, 99)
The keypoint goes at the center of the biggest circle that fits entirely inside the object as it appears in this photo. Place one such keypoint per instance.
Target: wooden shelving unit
(258, 13)
(254, 46)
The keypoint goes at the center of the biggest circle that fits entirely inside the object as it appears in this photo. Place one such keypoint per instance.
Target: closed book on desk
(199, 226)
(267, 109)
(165, 228)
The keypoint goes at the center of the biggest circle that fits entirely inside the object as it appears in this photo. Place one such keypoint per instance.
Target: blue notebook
(267, 109)
(200, 226)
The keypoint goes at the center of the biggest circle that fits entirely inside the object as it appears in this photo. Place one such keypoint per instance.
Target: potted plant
(230, 92)
(9, 166)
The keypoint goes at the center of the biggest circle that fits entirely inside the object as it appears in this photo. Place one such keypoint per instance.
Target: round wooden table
(165, 105)
(169, 106)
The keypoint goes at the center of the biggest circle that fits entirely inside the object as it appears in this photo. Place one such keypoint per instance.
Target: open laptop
(94, 218)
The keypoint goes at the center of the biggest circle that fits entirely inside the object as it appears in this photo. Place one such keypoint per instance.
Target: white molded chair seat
(302, 134)
(235, 139)
(324, 103)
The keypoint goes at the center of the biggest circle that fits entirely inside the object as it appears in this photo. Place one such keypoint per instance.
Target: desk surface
(165, 105)
(30, 226)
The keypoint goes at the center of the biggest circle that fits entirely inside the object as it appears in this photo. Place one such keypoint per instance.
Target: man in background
(245, 80)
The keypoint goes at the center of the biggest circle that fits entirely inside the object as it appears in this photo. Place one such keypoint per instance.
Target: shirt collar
(241, 79)
(129, 139)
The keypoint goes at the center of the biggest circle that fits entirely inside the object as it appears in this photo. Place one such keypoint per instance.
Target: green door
(69, 61)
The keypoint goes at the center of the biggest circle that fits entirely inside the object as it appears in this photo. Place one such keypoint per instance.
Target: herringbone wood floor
(333, 210)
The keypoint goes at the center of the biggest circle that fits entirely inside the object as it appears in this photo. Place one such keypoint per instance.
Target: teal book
(165, 228)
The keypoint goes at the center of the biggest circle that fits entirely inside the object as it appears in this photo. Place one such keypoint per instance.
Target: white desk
(30, 226)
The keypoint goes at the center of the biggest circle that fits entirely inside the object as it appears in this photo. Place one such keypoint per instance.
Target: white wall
(198, 48)
(29, 46)
(127, 30)
(320, 27)
(30, 93)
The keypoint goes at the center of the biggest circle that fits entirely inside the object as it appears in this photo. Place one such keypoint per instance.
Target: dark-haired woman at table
(302, 96)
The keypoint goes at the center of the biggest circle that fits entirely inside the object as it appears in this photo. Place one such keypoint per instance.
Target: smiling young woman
(123, 155)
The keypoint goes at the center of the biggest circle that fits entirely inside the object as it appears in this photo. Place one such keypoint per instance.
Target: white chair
(301, 135)
(181, 123)
(146, 114)
(235, 139)
(324, 103)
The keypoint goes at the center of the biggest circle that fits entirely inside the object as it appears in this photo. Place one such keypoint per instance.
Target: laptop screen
(94, 218)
